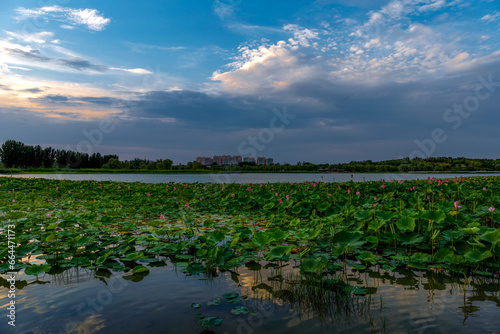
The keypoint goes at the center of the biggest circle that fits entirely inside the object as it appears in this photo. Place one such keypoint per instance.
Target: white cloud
(40, 37)
(491, 18)
(301, 35)
(132, 70)
(88, 17)
(67, 27)
(91, 18)
(223, 10)
(4, 68)
(435, 5)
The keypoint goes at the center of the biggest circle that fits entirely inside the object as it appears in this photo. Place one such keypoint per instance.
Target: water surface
(247, 177)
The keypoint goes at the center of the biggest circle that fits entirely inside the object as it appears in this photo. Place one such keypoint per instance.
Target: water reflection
(279, 298)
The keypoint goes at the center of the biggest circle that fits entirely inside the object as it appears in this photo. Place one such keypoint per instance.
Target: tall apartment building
(205, 161)
(249, 159)
(228, 160)
(264, 161)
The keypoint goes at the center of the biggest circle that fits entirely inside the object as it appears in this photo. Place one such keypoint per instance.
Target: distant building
(205, 161)
(228, 160)
(249, 159)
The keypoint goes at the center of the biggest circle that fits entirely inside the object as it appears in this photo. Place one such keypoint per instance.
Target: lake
(246, 177)
(402, 301)
(275, 297)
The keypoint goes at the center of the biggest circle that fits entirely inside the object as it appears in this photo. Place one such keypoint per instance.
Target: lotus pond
(104, 257)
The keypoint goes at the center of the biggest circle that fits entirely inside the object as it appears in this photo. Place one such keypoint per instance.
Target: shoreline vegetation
(17, 157)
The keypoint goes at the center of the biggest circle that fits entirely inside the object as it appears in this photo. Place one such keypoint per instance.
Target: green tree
(113, 163)
(11, 153)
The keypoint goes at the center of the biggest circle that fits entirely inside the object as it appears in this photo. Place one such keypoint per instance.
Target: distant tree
(11, 153)
(113, 163)
(168, 163)
(107, 157)
(152, 166)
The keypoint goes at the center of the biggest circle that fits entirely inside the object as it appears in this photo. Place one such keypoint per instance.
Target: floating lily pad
(239, 310)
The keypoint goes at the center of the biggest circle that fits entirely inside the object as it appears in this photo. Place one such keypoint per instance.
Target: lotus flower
(162, 216)
(491, 209)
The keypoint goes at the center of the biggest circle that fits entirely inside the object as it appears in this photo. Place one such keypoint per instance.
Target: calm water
(404, 301)
(244, 177)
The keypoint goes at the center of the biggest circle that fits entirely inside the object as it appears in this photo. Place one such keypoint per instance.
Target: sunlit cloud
(39, 37)
(91, 18)
(132, 70)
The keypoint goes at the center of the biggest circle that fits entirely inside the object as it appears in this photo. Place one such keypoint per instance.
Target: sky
(325, 81)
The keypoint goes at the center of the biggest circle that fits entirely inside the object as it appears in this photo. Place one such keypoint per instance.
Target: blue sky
(322, 81)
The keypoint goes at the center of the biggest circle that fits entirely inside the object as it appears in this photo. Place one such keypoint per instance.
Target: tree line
(20, 155)
(15, 154)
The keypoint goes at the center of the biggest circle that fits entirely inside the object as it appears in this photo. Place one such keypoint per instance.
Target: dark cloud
(81, 64)
(33, 54)
(105, 101)
(4, 87)
(56, 98)
(333, 122)
(32, 90)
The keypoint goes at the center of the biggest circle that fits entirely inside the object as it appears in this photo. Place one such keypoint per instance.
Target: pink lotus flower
(69, 191)
(329, 194)
(187, 204)
(49, 215)
(375, 198)
(358, 193)
(275, 194)
(456, 205)
(232, 195)
(352, 176)
(484, 188)
(13, 200)
(148, 194)
(414, 187)
(383, 186)
(491, 209)
(119, 187)
(162, 216)
(249, 189)
(287, 197)
(348, 191)
(94, 200)
(200, 199)
(98, 214)
(121, 206)
(253, 224)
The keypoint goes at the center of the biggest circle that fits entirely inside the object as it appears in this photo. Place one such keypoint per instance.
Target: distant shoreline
(6, 171)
